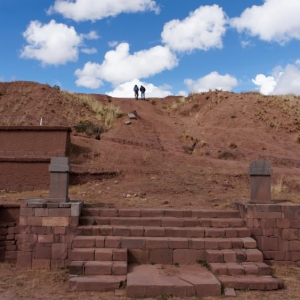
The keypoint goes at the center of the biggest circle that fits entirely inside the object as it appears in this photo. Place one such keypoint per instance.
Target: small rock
(166, 202)
(135, 195)
(116, 182)
(229, 292)
(128, 196)
(127, 122)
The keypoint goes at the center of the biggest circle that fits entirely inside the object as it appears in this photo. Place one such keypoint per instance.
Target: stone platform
(181, 281)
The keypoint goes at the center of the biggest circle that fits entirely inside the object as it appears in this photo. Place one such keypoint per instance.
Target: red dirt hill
(178, 152)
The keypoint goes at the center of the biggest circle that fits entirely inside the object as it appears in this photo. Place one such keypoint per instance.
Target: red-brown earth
(191, 152)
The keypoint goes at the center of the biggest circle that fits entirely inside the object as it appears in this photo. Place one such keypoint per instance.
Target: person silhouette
(143, 90)
(136, 92)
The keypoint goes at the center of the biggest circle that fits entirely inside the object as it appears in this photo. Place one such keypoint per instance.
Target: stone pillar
(260, 182)
(59, 179)
(46, 233)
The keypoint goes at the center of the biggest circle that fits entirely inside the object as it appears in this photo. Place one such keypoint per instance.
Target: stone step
(100, 283)
(83, 242)
(98, 268)
(155, 231)
(251, 282)
(244, 268)
(137, 213)
(99, 254)
(149, 281)
(232, 256)
(163, 221)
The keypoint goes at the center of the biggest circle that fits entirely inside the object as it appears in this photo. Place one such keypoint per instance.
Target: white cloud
(286, 82)
(212, 81)
(182, 93)
(89, 50)
(92, 35)
(113, 44)
(202, 29)
(1, 79)
(83, 10)
(266, 83)
(275, 20)
(120, 66)
(125, 90)
(52, 43)
(298, 61)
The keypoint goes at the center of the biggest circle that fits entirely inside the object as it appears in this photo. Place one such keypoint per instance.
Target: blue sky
(171, 47)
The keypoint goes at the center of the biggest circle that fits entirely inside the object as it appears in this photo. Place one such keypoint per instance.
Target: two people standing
(136, 90)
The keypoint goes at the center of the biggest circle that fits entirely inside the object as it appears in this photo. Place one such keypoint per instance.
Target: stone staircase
(180, 252)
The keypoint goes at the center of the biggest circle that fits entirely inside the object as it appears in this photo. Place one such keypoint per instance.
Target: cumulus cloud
(52, 43)
(83, 10)
(202, 29)
(125, 90)
(212, 81)
(287, 82)
(266, 83)
(275, 20)
(120, 66)
(113, 44)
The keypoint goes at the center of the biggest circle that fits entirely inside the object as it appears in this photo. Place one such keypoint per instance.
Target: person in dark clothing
(143, 90)
(136, 92)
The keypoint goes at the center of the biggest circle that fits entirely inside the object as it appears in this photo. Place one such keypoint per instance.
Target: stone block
(139, 256)
(55, 221)
(154, 231)
(250, 268)
(214, 256)
(290, 234)
(211, 244)
(59, 212)
(76, 268)
(34, 221)
(84, 242)
(59, 251)
(249, 243)
(295, 224)
(99, 241)
(76, 208)
(161, 256)
(59, 230)
(172, 222)
(235, 269)
(129, 212)
(136, 231)
(156, 243)
(106, 230)
(49, 238)
(218, 268)
(178, 243)
(229, 256)
(215, 232)
(133, 242)
(224, 244)
(41, 212)
(26, 212)
(119, 268)
(149, 222)
(98, 268)
(24, 260)
(151, 213)
(120, 255)
(195, 232)
(241, 256)
(83, 254)
(41, 264)
(108, 212)
(27, 238)
(188, 256)
(283, 223)
(254, 255)
(41, 252)
(113, 242)
(104, 254)
(121, 231)
(175, 232)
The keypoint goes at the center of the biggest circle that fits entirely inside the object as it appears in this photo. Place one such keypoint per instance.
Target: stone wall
(46, 233)
(276, 228)
(9, 229)
(25, 154)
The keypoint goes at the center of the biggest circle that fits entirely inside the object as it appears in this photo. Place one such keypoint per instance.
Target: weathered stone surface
(55, 221)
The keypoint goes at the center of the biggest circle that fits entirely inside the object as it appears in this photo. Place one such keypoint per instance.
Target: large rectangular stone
(55, 221)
